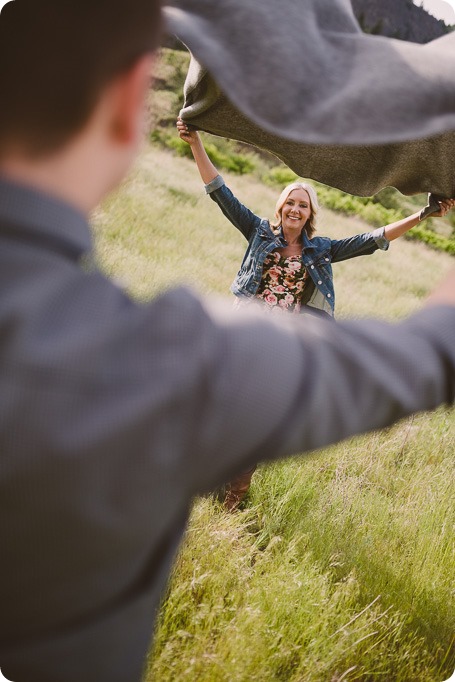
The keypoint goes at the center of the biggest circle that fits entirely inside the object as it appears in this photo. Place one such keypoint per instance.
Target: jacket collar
(306, 242)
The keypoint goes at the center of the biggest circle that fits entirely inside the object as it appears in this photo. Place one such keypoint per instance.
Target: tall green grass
(341, 565)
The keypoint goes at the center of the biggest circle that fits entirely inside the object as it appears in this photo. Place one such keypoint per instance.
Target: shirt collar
(26, 211)
(307, 242)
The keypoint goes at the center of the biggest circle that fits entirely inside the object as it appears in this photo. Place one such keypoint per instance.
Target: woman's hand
(445, 206)
(188, 136)
(444, 294)
(400, 227)
(205, 166)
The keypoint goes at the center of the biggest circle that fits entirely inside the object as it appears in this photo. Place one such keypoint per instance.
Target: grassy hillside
(341, 566)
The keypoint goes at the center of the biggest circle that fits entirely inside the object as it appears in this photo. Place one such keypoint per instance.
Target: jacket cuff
(214, 184)
(380, 238)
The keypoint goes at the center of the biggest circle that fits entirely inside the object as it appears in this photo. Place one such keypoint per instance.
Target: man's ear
(127, 96)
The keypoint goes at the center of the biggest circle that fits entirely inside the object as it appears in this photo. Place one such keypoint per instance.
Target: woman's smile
(296, 209)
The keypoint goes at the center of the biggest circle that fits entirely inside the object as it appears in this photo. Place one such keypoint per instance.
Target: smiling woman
(265, 268)
(286, 267)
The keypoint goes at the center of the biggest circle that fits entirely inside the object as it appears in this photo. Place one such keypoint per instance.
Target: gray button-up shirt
(113, 415)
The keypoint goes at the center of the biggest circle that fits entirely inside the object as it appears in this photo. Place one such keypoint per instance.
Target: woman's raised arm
(206, 168)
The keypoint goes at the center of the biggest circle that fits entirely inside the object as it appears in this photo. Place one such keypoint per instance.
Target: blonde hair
(310, 225)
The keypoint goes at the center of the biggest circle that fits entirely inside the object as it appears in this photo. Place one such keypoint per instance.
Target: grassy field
(341, 565)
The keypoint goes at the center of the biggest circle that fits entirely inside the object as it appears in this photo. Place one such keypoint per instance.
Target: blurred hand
(444, 294)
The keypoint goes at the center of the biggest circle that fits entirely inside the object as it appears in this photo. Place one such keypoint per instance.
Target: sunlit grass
(341, 567)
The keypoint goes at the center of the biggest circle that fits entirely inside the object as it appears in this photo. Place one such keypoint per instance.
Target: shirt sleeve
(276, 388)
(184, 391)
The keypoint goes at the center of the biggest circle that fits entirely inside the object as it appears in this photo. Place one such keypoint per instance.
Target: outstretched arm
(206, 168)
(238, 214)
(400, 227)
(366, 373)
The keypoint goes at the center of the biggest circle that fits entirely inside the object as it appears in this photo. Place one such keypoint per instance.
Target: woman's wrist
(196, 142)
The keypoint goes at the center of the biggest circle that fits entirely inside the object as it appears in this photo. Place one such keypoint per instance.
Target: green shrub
(236, 163)
(434, 240)
(378, 215)
(171, 141)
(363, 207)
(179, 146)
(240, 164)
(280, 175)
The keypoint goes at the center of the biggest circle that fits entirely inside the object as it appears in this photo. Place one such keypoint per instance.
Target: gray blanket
(300, 79)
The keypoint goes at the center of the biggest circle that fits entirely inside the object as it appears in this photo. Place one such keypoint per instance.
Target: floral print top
(283, 282)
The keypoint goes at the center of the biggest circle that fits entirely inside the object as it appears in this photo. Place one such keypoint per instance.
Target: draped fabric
(298, 78)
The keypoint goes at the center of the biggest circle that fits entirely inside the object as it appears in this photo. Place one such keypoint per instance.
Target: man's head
(57, 57)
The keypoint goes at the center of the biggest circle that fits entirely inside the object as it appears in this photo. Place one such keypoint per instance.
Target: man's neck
(56, 175)
(80, 174)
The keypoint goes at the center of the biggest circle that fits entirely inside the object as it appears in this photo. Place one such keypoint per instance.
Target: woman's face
(296, 210)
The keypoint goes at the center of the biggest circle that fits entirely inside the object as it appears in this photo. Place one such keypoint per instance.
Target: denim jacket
(318, 253)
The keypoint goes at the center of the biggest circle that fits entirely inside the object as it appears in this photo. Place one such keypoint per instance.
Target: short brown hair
(56, 56)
